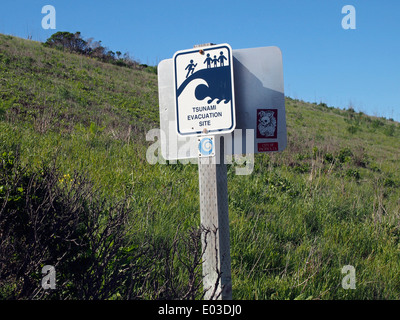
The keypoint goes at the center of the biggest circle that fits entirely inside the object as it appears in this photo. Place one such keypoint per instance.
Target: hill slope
(331, 199)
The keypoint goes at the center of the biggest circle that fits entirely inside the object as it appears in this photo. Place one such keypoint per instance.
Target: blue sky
(321, 60)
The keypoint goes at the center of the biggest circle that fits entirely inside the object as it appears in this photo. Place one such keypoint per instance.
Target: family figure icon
(209, 61)
(215, 60)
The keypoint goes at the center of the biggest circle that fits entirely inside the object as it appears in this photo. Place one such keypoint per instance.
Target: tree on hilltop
(67, 41)
(72, 42)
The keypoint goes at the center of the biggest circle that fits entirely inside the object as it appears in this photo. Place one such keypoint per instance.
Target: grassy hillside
(331, 199)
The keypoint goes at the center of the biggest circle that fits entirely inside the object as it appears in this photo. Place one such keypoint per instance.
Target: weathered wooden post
(214, 218)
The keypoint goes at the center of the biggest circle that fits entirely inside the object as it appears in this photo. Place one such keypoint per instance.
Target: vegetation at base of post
(73, 156)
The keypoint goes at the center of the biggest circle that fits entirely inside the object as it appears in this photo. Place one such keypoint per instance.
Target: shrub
(345, 155)
(389, 130)
(351, 110)
(328, 157)
(323, 104)
(68, 41)
(352, 129)
(302, 167)
(376, 123)
(390, 183)
(53, 218)
(72, 42)
(353, 173)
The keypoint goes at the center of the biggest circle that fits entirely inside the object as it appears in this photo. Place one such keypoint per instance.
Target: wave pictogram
(219, 84)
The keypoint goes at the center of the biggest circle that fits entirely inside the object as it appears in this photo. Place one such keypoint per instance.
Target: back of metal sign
(260, 107)
(260, 99)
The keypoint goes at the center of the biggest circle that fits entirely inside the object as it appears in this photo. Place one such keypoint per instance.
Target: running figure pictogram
(190, 68)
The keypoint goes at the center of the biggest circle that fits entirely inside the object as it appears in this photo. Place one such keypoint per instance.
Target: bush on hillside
(50, 218)
(68, 41)
(73, 42)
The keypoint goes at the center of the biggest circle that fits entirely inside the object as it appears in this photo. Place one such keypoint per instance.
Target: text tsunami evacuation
(199, 113)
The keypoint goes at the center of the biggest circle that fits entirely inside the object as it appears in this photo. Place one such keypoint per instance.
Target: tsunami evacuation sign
(204, 90)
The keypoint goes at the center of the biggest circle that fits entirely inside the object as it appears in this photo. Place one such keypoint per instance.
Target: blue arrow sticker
(206, 146)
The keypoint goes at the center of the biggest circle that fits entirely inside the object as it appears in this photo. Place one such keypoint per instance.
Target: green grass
(331, 199)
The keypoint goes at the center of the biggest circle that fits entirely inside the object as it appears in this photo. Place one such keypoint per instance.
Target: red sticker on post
(267, 146)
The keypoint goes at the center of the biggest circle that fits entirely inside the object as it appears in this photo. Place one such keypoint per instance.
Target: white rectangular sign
(259, 107)
(204, 90)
